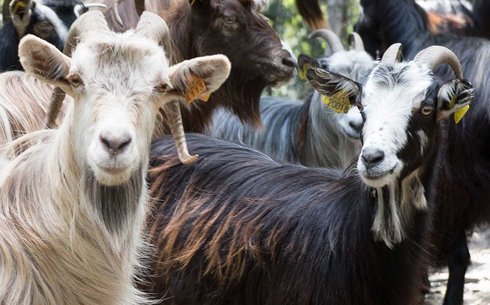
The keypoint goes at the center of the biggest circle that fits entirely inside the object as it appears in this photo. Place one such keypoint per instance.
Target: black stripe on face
(420, 131)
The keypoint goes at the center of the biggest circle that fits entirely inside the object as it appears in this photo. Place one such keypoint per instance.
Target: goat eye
(229, 19)
(75, 80)
(427, 110)
(161, 88)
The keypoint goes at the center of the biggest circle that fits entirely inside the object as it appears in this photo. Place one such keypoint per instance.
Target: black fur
(283, 234)
(463, 197)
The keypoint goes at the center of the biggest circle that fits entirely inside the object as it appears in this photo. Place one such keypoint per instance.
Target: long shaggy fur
(239, 228)
(55, 243)
(23, 105)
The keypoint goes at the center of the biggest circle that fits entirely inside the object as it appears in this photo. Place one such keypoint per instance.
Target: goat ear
(338, 92)
(455, 97)
(44, 61)
(304, 63)
(199, 77)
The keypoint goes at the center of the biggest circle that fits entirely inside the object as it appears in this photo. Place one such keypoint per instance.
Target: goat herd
(348, 197)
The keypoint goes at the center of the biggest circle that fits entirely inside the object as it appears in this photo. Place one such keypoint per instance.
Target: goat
(234, 28)
(73, 203)
(31, 17)
(306, 132)
(462, 196)
(238, 228)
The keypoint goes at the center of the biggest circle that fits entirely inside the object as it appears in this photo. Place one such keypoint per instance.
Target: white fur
(55, 245)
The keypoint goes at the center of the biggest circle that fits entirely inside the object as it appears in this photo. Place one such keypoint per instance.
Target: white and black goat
(74, 203)
(306, 132)
(238, 228)
(49, 21)
(462, 196)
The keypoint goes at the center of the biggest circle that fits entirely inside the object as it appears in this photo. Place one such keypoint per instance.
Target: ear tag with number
(458, 115)
(339, 102)
(197, 90)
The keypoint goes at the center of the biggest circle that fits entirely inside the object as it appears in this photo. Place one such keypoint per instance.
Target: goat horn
(175, 118)
(154, 27)
(332, 39)
(90, 21)
(355, 41)
(393, 54)
(435, 56)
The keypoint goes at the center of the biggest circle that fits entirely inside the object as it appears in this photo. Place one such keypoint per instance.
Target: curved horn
(175, 118)
(355, 41)
(90, 21)
(393, 54)
(153, 27)
(332, 39)
(435, 56)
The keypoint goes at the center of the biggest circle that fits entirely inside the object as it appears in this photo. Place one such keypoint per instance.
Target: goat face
(118, 83)
(238, 30)
(401, 104)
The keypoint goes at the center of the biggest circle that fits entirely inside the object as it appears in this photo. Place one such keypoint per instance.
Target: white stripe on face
(389, 100)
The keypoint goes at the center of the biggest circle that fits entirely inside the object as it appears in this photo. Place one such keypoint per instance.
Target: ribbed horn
(435, 56)
(332, 39)
(154, 27)
(177, 129)
(90, 21)
(355, 41)
(393, 54)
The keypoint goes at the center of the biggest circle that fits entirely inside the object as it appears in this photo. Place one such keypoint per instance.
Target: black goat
(463, 196)
(49, 21)
(238, 228)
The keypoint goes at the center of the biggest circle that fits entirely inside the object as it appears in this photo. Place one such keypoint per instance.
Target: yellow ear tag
(338, 102)
(19, 5)
(458, 115)
(197, 90)
(302, 72)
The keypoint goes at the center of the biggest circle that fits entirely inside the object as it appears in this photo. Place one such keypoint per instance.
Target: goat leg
(459, 261)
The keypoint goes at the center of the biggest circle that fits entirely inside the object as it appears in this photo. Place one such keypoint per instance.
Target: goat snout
(356, 125)
(372, 157)
(115, 142)
(288, 61)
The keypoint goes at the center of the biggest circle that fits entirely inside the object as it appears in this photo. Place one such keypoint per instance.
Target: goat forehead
(392, 94)
(120, 59)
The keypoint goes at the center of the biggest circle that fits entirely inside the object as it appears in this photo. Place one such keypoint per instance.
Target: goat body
(258, 232)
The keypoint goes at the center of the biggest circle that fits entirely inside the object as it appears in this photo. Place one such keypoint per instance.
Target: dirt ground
(477, 287)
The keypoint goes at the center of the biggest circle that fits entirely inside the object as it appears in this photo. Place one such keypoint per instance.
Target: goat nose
(357, 126)
(372, 157)
(289, 61)
(115, 143)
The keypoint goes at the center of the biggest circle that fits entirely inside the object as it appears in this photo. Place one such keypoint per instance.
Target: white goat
(306, 132)
(73, 204)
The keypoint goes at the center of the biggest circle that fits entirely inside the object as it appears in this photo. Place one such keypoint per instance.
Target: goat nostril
(105, 142)
(288, 61)
(373, 157)
(115, 144)
(124, 144)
